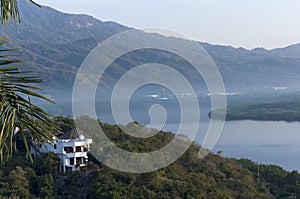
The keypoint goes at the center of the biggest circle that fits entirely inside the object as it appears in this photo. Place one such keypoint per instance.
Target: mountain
(256, 69)
(292, 51)
(55, 44)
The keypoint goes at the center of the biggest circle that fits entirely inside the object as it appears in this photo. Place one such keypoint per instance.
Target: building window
(54, 146)
(71, 161)
(68, 149)
(79, 160)
(78, 149)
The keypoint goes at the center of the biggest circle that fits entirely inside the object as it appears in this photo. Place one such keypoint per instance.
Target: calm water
(263, 142)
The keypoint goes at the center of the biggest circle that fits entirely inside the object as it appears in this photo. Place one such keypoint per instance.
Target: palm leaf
(15, 110)
(10, 12)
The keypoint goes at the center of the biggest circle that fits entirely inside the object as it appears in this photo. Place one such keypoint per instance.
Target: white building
(71, 147)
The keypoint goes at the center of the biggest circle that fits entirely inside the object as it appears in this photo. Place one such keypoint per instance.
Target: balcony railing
(76, 154)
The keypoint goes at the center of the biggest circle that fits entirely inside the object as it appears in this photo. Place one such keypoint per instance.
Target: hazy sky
(239, 23)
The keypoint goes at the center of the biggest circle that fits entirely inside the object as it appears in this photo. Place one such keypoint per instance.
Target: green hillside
(288, 111)
(189, 177)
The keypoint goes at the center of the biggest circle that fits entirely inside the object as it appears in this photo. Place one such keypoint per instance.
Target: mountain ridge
(56, 43)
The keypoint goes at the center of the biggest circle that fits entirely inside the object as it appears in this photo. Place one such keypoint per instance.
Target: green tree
(18, 183)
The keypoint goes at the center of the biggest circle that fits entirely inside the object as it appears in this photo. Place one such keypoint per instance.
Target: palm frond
(35, 3)
(15, 109)
(10, 12)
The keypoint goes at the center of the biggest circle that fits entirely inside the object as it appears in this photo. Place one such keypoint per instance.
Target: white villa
(71, 147)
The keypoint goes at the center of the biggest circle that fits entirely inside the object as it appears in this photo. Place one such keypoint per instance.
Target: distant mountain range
(56, 43)
(258, 68)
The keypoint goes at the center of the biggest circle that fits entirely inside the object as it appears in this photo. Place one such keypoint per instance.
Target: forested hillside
(189, 177)
(280, 108)
(56, 43)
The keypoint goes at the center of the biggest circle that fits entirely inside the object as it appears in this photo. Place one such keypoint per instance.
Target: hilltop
(189, 177)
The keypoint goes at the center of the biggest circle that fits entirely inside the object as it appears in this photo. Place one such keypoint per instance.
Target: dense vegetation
(188, 177)
(264, 111)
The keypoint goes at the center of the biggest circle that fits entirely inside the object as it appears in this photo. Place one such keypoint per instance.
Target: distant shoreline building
(71, 147)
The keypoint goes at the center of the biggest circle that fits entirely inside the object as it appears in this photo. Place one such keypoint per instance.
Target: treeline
(264, 111)
(282, 184)
(189, 177)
